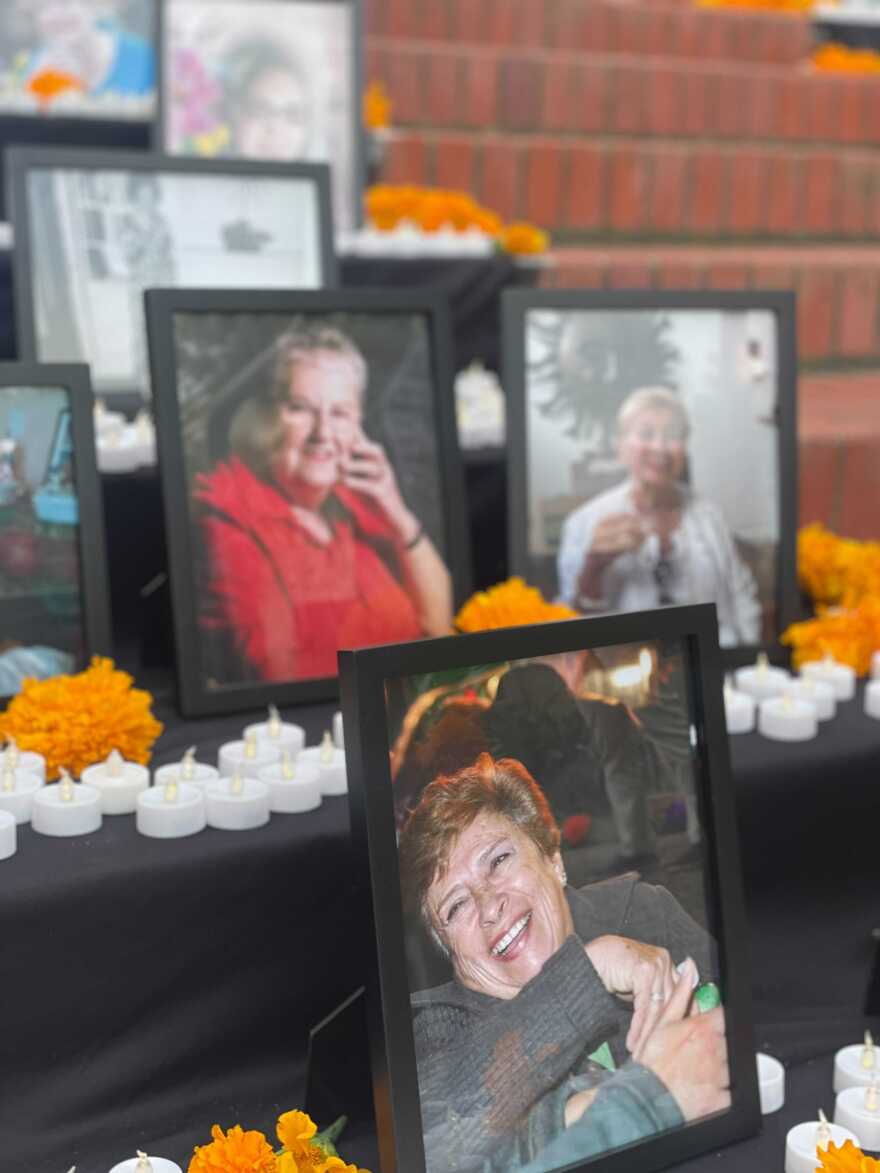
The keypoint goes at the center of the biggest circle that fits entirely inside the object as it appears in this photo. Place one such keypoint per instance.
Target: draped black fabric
(151, 988)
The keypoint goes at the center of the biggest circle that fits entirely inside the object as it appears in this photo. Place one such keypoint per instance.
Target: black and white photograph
(269, 80)
(627, 495)
(94, 231)
(311, 481)
(53, 594)
(78, 58)
(557, 893)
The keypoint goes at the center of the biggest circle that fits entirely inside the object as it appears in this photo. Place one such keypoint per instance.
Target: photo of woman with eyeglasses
(634, 498)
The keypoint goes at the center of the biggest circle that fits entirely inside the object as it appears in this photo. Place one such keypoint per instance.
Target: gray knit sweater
(495, 1075)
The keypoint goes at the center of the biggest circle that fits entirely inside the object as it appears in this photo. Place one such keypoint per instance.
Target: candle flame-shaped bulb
(171, 792)
(144, 1164)
(188, 764)
(250, 745)
(762, 662)
(66, 790)
(274, 722)
(823, 1132)
(869, 1055)
(787, 702)
(8, 778)
(827, 658)
(237, 781)
(12, 752)
(113, 764)
(327, 748)
(287, 770)
(872, 1097)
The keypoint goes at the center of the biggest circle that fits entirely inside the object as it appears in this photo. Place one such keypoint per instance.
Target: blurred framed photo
(312, 483)
(548, 821)
(54, 610)
(625, 412)
(93, 230)
(271, 80)
(93, 59)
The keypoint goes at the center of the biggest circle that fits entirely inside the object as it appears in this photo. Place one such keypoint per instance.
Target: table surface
(197, 966)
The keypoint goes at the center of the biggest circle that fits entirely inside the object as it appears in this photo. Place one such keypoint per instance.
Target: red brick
(714, 44)
(747, 202)
(850, 111)
(454, 164)
(444, 89)
(857, 194)
(399, 21)
(574, 277)
(544, 184)
(374, 19)
(783, 195)
(630, 275)
(404, 80)
(501, 178)
(861, 488)
(668, 190)
(594, 28)
(819, 464)
(480, 107)
(436, 20)
(374, 63)
(664, 101)
(468, 22)
(407, 161)
(792, 111)
(815, 303)
(732, 115)
(707, 193)
(872, 115)
(681, 276)
(586, 189)
(531, 25)
(762, 100)
(825, 96)
(522, 83)
(727, 275)
(593, 99)
(501, 17)
(561, 98)
(821, 178)
(629, 182)
(627, 105)
(700, 102)
(772, 276)
(857, 325)
(689, 28)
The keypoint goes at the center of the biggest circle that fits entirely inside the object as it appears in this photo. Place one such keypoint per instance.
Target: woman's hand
(635, 972)
(367, 470)
(688, 1053)
(620, 533)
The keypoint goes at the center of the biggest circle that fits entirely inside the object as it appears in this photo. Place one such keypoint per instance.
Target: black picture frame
(357, 143)
(517, 304)
(91, 550)
(195, 698)
(21, 162)
(363, 676)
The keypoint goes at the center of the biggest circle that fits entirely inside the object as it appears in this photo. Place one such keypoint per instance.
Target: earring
(563, 878)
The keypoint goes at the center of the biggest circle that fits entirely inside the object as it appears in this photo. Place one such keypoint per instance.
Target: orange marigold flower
(235, 1151)
(523, 238)
(74, 721)
(847, 1159)
(850, 636)
(792, 6)
(295, 1128)
(376, 107)
(509, 604)
(313, 1160)
(834, 58)
(49, 83)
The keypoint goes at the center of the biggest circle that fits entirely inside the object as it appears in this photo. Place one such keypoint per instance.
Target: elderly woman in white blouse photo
(652, 541)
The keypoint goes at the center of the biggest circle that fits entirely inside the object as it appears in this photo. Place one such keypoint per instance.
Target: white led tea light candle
(872, 699)
(17, 790)
(739, 710)
(781, 718)
(8, 836)
(66, 809)
(840, 676)
(857, 1065)
(238, 803)
(141, 1163)
(172, 811)
(294, 785)
(277, 733)
(804, 1140)
(771, 1083)
(186, 770)
(817, 693)
(22, 759)
(331, 765)
(858, 1109)
(760, 680)
(118, 781)
(249, 755)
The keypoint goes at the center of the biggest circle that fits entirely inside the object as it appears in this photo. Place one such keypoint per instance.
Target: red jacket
(287, 601)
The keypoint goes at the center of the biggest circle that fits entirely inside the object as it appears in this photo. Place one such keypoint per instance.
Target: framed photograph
(312, 484)
(624, 411)
(54, 610)
(548, 821)
(92, 59)
(93, 230)
(277, 80)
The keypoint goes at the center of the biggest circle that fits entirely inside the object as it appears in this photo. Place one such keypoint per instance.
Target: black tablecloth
(152, 988)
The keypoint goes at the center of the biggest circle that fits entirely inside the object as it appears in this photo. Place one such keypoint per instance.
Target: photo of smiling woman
(310, 538)
(564, 1004)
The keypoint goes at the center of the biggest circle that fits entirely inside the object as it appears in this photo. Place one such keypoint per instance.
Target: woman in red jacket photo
(310, 545)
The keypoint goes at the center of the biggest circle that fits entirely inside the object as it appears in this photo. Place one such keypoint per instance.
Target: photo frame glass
(632, 500)
(546, 808)
(42, 611)
(312, 488)
(99, 236)
(78, 59)
(273, 80)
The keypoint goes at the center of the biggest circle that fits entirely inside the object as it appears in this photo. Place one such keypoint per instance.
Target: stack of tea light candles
(787, 708)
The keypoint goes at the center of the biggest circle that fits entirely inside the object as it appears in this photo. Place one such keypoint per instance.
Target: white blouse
(705, 566)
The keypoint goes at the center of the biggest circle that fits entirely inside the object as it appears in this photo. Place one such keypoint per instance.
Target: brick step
(657, 28)
(651, 188)
(838, 287)
(839, 451)
(435, 84)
